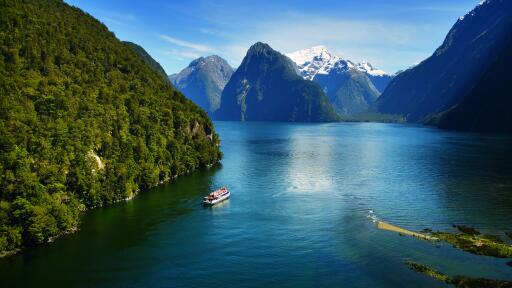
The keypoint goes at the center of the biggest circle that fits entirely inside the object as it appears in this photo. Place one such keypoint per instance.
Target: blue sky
(390, 34)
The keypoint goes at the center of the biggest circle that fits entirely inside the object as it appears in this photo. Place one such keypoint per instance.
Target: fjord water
(301, 194)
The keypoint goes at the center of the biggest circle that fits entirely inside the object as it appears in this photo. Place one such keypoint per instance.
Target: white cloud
(235, 53)
(296, 33)
(186, 44)
(116, 18)
(182, 55)
(112, 21)
(378, 42)
(388, 44)
(209, 31)
(121, 16)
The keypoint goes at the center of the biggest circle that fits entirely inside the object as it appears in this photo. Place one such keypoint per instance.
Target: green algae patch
(468, 239)
(428, 271)
(459, 281)
(472, 241)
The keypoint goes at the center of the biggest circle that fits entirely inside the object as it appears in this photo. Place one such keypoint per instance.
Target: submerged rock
(459, 281)
(472, 241)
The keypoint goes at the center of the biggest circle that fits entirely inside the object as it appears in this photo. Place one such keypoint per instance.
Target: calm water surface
(298, 214)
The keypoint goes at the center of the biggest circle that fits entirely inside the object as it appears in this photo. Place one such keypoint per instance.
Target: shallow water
(298, 214)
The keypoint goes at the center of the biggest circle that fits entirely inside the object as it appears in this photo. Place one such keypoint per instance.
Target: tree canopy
(84, 122)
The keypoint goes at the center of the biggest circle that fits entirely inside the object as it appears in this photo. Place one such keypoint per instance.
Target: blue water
(298, 215)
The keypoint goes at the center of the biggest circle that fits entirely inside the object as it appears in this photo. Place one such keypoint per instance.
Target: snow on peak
(316, 60)
(369, 69)
(319, 60)
(317, 53)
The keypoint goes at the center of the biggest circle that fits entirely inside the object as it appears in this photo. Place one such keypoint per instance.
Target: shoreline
(389, 227)
(4, 254)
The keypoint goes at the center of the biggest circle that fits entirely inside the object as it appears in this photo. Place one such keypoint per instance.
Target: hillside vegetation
(84, 122)
(147, 58)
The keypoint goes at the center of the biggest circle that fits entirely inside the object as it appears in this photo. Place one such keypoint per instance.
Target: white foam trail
(372, 216)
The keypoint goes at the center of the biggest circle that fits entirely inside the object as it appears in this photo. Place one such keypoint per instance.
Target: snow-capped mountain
(319, 60)
(351, 87)
(369, 69)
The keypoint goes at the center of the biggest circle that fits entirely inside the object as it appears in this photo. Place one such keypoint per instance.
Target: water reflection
(217, 207)
(308, 168)
(297, 216)
(105, 234)
(470, 166)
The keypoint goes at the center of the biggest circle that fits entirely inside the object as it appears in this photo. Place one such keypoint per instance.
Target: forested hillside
(84, 122)
(147, 58)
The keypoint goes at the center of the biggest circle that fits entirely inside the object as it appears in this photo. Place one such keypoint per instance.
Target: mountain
(316, 60)
(486, 108)
(319, 60)
(266, 87)
(84, 122)
(147, 58)
(203, 81)
(349, 90)
(379, 78)
(348, 85)
(443, 80)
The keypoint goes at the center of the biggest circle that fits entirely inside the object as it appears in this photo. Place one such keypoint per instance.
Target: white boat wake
(372, 216)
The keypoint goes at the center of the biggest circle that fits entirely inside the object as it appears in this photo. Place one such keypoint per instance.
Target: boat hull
(216, 201)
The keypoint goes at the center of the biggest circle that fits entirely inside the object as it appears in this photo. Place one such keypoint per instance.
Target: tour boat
(216, 196)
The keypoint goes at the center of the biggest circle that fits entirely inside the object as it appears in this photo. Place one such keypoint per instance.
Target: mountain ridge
(203, 80)
(486, 106)
(319, 60)
(421, 92)
(267, 87)
(348, 85)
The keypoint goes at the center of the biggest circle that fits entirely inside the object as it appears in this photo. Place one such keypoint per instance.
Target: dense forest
(84, 122)
(147, 58)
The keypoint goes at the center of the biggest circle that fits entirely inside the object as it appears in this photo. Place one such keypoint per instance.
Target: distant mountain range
(319, 60)
(351, 88)
(267, 87)
(203, 81)
(379, 78)
(460, 85)
(463, 85)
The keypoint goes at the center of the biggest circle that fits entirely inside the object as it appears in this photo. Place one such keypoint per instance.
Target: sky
(390, 34)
